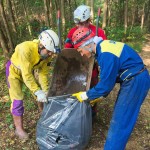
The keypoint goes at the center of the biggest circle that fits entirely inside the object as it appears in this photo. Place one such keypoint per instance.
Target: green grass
(137, 46)
(28, 99)
(9, 119)
(2, 59)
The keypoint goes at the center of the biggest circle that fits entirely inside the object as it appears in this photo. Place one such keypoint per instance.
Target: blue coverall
(119, 62)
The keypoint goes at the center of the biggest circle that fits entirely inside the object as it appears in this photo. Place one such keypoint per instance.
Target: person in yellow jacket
(28, 56)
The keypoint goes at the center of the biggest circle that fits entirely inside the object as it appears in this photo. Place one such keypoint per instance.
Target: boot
(20, 132)
(40, 106)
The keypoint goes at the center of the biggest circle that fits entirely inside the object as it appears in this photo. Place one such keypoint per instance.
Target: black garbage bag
(65, 123)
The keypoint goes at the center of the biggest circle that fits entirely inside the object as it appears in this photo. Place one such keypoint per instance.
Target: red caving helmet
(81, 35)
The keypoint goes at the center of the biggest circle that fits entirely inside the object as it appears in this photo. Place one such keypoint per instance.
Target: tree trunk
(120, 13)
(87, 2)
(27, 18)
(11, 15)
(57, 2)
(50, 13)
(3, 44)
(105, 14)
(109, 12)
(133, 13)
(70, 9)
(63, 17)
(46, 8)
(15, 12)
(143, 16)
(6, 26)
(92, 10)
(148, 16)
(126, 16)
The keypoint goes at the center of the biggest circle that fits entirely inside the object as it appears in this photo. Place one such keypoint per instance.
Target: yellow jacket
(26, 58)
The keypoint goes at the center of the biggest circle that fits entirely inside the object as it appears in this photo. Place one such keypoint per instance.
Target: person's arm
(68, 41)
(43, 75)
(26, 69)
(109, 64)
(101, 33)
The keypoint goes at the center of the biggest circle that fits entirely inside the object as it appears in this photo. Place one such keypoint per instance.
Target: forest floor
(139, 140)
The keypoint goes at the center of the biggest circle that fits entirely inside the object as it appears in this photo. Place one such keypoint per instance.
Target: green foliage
(8, 118)
(2, 59)
(35, 25)
(115, 34)
(22, 33)
(28, 99)
(1, 105)
(7, 104)
(118, 33)
(133, 37)
(35, 3)
(135, 33)
(11, 126)
(29, 104)
(137, 46)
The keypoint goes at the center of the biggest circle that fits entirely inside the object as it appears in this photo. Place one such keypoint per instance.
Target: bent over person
(82, 19)
(118, 62)
(28, 56)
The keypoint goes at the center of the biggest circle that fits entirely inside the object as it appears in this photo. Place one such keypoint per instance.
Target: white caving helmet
(82, 13)
(49, 39)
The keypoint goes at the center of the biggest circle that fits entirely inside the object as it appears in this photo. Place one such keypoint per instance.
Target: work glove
(81, 96)
(41, 96)
(92, 102)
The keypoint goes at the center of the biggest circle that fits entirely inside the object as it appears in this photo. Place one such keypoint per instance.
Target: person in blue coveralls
(118, 63)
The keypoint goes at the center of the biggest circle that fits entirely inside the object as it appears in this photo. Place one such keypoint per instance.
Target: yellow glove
(81, 96)
(95, 101)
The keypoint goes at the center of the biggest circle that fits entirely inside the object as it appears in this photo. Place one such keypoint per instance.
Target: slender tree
(133, 13)
(27, 18)
(70, 10)
(126, 16)
(57, 2)
(109, 12)
(15, 11)
(63, 16)
(87, 2)
(50, 13)
(92, 10)
(6, 26)
(11, 15)
(148, 15)
(143, 16)
(3, 43)
(46, 8)
(105, 14)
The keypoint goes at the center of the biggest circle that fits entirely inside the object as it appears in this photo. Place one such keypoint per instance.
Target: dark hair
(85, 22)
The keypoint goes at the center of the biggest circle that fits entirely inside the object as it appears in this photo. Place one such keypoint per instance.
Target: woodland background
(21, 20)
